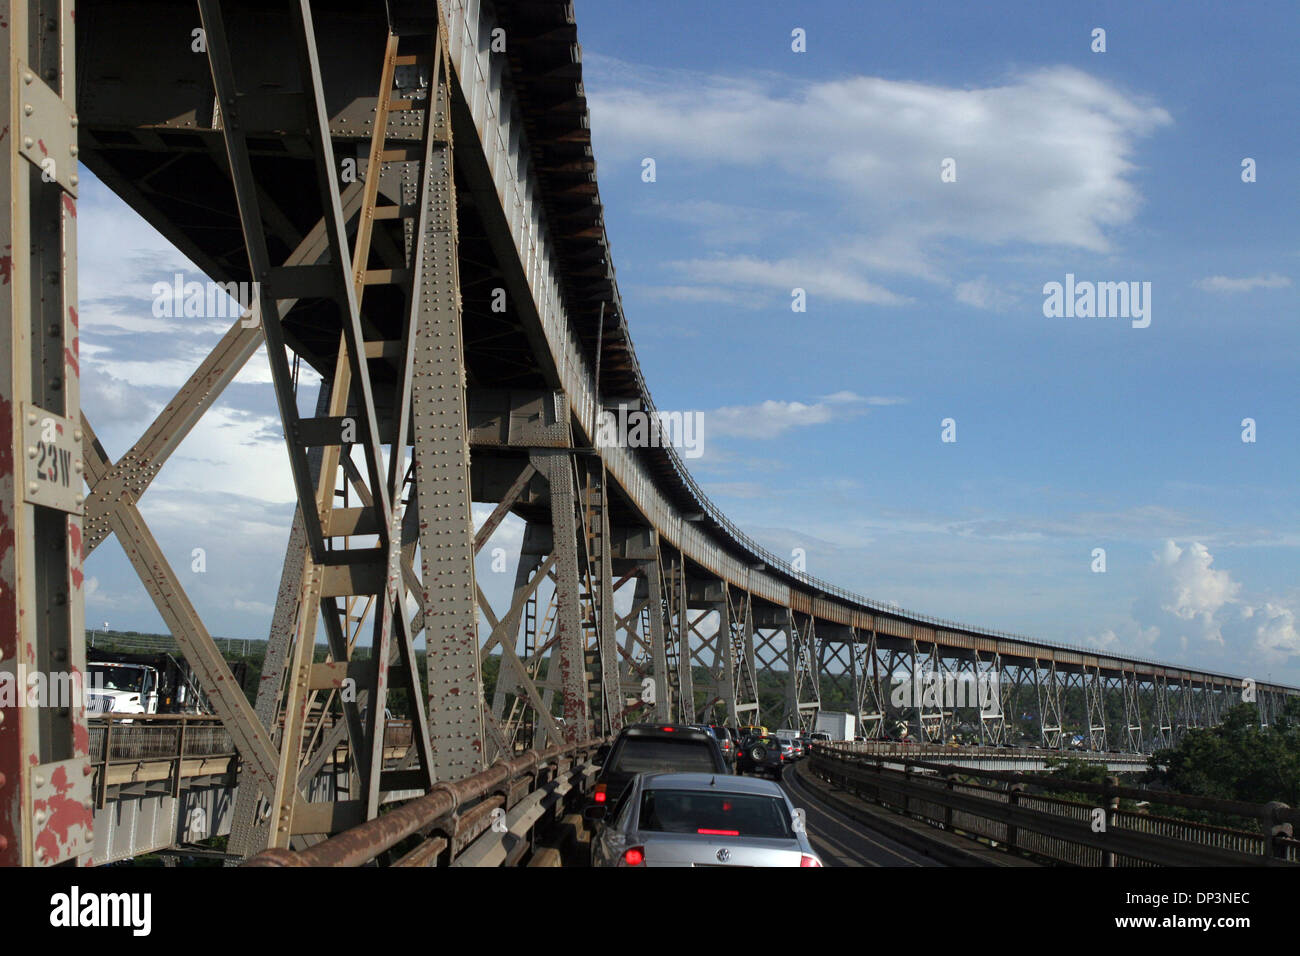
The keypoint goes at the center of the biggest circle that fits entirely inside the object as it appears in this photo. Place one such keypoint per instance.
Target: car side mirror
(594, 812)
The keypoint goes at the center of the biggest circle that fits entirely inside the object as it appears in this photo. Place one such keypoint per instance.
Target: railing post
(1111, 802)
(1279, 830)
(950, 781)
(180, 758)
(101, 785)
(1013, 800)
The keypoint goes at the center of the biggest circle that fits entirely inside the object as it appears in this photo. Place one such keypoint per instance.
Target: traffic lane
(842, 842)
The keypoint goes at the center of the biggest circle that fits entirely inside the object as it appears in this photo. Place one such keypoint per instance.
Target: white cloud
(771, 418)
(818, 278)
(1193, 590)
(1277, 638)
(846, 397)
(1192, 606)
(1046, 157)
(981, 293)
(1227, 285)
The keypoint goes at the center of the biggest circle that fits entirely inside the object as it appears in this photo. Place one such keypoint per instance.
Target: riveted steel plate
(47, 133)
(52, 464)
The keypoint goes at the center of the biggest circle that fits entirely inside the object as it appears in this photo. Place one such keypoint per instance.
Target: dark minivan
(655, 748)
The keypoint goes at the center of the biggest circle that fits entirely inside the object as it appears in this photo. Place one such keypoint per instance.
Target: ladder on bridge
(401, 372)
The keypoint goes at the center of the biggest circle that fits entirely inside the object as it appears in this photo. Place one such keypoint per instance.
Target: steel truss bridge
(411, 187)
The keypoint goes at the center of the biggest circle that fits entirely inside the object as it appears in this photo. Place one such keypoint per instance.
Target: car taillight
(600, 795)
(635, 856)
(719, 832)
(807, 860)
(667, 730)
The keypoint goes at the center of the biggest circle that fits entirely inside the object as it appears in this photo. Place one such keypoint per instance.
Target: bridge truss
(457, 298)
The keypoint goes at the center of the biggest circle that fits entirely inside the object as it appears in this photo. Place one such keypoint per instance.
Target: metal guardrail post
(1014, 792)
(180, 759)
(1279, 830)
(101, 788)
(1110, 801)
(950, 782)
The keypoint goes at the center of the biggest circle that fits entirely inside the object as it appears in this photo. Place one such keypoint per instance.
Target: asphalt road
(843, 842)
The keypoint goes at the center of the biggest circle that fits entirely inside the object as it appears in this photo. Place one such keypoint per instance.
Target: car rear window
(656, 755)
(709, 813)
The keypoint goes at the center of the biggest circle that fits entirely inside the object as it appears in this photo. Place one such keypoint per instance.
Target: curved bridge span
(407, 192)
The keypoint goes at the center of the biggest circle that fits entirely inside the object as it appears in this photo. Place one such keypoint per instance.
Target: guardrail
(1016, 811)
(528, 788)
(156, 747)
(915, 750)
(165, 743)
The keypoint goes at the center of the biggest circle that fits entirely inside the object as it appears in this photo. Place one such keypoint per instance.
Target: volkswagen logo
(724, 855)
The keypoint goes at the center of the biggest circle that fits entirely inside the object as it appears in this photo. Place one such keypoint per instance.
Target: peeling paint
(65, 814)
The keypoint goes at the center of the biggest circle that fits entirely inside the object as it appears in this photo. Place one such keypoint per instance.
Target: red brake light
(600, 796)
(807, 860)
(667, 730)
(635, 856)
(719, 832)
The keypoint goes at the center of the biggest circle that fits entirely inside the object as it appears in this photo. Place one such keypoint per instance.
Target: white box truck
(837, 725)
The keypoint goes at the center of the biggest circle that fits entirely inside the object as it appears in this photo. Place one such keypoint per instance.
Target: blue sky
(821, 170)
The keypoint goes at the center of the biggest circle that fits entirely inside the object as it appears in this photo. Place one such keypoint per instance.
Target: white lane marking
(858, 833)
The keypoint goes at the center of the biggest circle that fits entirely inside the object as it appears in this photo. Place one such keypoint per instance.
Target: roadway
(842, 842)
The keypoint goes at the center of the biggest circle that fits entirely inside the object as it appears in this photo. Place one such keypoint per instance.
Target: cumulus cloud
(1190, 605)
(1193, 589)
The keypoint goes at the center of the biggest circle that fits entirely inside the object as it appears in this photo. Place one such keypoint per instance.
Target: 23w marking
(54, 464)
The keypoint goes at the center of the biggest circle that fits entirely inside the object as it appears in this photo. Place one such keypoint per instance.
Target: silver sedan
(701, 819)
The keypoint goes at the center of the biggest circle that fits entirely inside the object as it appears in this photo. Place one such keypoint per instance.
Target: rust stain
(70, 204)
(64, 815)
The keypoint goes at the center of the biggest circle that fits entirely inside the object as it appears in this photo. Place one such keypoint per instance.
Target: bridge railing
(918, 751)
(155, 748)
(1025, 813)
(453, 822)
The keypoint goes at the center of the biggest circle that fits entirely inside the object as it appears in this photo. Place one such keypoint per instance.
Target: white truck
(121, 683)
(838, 726)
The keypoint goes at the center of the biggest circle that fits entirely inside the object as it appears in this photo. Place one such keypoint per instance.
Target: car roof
(666, 731)
(723, 782)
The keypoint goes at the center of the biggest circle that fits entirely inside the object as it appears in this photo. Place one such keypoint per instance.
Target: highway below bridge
(459, 303)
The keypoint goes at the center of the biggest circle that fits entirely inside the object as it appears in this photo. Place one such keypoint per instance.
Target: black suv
(760, 754)
(655, 748)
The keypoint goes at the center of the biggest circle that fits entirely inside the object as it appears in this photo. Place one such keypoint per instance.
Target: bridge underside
(411, 197)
